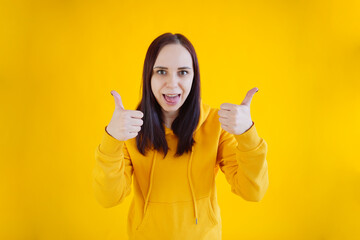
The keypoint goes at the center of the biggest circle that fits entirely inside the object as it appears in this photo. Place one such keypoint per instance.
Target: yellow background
(59, 60)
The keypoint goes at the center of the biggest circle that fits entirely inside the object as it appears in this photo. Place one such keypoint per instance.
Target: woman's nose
(172, 80)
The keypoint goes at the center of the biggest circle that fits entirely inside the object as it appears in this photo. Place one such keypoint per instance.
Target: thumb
(249, 96)
(118, 101)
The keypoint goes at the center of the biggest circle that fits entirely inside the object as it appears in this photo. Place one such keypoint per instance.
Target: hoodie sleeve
(242, 158)
(112, 174)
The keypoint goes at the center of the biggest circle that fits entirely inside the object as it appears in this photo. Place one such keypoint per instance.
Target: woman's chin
(171, 109)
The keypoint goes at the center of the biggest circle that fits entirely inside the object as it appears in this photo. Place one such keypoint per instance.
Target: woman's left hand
(234, 118)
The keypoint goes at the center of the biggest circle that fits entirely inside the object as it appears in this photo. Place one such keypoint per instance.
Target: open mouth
(172, 99)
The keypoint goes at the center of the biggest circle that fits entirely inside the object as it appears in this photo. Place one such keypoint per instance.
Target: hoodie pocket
(163, 220)
(145, 219)
(211, 212)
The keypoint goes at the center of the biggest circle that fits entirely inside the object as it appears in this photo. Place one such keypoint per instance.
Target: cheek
(154, 86)
(188, 85)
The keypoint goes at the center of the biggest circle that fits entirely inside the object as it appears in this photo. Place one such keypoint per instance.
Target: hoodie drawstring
(151, 179)
(191, 187)
(189, 177)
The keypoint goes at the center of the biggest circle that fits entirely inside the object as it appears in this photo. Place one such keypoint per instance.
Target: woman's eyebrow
(167, 68)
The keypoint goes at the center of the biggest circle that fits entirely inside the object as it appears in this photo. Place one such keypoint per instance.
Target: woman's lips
(172, 100)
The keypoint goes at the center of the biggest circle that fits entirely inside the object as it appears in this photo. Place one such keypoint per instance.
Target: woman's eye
(160, 71)
(185, 72)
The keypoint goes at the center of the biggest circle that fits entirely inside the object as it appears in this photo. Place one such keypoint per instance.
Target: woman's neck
(169, 117)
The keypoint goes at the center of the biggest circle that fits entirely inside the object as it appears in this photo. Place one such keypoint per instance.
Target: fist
(236, 119)
(124, 124)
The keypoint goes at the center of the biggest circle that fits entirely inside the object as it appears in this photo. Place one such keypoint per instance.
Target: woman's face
(172, 78)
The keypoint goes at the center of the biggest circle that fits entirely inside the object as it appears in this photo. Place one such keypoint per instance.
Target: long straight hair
(152, 133)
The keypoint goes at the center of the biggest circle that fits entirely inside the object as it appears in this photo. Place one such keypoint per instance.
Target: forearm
(112, 173)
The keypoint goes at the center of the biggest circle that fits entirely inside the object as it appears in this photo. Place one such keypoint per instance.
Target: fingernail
(111, 93)
(257, 90)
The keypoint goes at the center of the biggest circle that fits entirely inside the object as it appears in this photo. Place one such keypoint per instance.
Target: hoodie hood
(204, 112)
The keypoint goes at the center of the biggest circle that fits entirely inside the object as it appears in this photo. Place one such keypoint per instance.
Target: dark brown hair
(152, 133)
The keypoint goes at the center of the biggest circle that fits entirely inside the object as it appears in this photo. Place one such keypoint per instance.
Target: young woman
(173, 145)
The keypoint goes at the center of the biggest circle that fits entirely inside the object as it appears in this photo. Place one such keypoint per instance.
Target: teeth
(171, 95)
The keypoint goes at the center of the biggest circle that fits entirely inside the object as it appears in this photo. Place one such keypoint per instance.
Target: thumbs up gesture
(124, 124)
(234, 118)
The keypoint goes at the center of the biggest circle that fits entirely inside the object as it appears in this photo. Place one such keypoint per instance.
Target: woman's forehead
(173, 56)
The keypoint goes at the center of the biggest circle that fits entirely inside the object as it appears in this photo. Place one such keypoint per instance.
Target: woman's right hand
(124, 124)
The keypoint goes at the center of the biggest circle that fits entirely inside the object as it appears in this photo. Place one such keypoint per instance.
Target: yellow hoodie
(175, 198)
